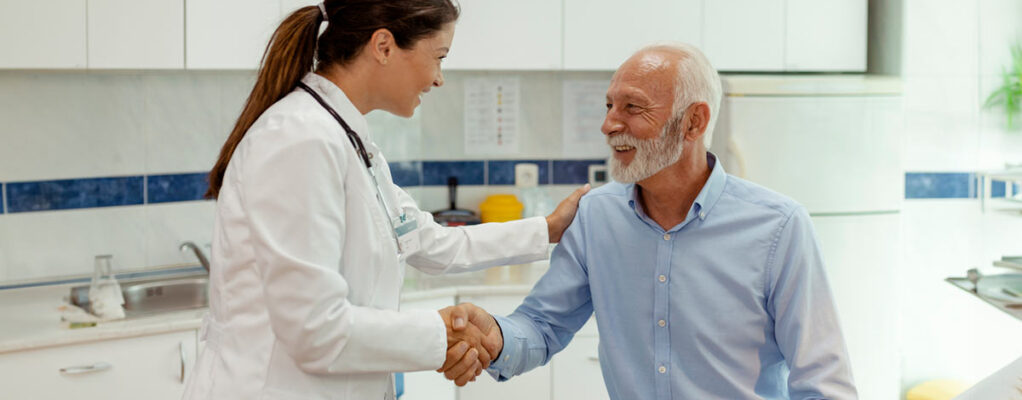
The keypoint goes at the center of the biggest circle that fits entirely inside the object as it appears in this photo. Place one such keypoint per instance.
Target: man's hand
(473, 340)
(561, 218)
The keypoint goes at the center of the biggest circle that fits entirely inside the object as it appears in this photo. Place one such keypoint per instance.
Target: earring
(384, 61)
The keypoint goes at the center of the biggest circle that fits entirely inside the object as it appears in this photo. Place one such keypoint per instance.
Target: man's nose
(611, 124)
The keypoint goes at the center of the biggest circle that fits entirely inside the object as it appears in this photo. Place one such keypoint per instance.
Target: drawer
(149, 367)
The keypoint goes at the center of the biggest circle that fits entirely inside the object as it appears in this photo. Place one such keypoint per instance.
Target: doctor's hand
(561, 218)
(473, 339)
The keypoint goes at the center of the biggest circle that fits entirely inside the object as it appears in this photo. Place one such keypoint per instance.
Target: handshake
(473, 341)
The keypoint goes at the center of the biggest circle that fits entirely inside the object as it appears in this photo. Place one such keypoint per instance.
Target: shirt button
(667, 236)
(507, 358)
(662, 323)
(662, 278)
(370, 155)
(662, 369)
(702, 214)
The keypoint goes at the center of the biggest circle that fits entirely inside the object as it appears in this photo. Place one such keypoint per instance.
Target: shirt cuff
(503, 368)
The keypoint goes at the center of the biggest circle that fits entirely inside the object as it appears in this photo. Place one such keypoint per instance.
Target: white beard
(651, 155)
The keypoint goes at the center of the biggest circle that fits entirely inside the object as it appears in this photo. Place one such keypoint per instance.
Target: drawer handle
(181, 347)
(594, 358)
(86, 369)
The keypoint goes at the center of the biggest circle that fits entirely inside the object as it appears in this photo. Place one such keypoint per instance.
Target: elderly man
(705, 286)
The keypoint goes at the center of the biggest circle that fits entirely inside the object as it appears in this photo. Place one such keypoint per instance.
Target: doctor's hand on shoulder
(558, 221)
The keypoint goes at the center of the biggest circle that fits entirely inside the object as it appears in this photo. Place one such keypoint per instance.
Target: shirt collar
(336, 98)
(707, 197)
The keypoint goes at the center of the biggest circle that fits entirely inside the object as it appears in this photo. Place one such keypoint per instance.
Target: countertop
(31, 316)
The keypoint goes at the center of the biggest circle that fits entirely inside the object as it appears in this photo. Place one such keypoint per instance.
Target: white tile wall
(169, 225)
(183, 121)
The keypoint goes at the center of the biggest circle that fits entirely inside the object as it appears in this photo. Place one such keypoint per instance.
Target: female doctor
(311, 235)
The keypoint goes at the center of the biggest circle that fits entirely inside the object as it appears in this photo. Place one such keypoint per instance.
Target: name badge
(407, 231)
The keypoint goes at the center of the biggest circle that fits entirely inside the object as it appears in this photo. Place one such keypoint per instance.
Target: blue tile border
(176, 187)
(573, 172)
(68, 194)
(435, 173)
(406, 173)
(502, 172)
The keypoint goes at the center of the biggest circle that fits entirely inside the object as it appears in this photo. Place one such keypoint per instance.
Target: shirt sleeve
(292, 189)
(805, 320)
(548, 318)
(467, 248)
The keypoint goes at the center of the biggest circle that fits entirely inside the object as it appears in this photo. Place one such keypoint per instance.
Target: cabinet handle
(594, 358)
(86, 369)
(181, 348)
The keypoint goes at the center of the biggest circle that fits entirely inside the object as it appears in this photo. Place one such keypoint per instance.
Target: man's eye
(609, 106)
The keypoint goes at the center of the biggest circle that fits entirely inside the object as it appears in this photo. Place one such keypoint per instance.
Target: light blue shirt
(732, 303)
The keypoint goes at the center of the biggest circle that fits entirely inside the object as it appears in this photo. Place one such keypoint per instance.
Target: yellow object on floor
(501, 208)
(941, 389)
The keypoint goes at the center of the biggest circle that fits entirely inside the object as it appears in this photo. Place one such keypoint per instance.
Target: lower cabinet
(574, 373)
(147, 367)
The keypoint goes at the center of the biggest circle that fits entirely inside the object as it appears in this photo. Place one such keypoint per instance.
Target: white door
(862, 255)
(507, 35)
(136, 34)
(228, 34)
(42, 34)
(601, 34)
(744, 35)
(832, 154)
(827, 35)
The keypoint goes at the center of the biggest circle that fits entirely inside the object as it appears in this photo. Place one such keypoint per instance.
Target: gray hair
(696, 81)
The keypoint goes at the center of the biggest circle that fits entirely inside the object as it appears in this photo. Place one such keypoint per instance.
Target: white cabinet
(136, 34)
(601, 34)
(576, 369)
(147, 367)
(228, 34)
(826, 35)
(42, 34)
(289, 6)
(744, 35)
(429, 385)
(507, 35)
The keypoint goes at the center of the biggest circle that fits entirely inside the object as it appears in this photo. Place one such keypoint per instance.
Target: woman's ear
(382, 45)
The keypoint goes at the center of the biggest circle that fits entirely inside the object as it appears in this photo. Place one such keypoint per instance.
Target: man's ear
(697, 118)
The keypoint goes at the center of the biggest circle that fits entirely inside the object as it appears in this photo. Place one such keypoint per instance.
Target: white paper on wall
(491, 116)
(585, 106)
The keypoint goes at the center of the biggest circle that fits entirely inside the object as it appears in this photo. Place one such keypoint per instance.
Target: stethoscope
(360, 148)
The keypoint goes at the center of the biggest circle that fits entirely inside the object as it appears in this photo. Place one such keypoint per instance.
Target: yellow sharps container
(501, 208)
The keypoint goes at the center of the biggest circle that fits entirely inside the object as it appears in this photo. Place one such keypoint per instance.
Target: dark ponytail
(290, 53)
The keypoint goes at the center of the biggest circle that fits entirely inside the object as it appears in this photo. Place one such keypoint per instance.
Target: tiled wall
(951, 54)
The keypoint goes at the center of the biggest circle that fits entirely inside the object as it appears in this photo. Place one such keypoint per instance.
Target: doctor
(311, 235)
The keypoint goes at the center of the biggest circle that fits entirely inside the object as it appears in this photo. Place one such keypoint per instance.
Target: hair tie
(322, 10)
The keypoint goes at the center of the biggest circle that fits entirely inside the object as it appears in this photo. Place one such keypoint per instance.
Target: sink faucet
(198, 253)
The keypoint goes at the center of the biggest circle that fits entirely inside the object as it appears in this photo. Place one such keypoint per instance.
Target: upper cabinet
(507, 35)
(228, 34)
(744, 35)
(42, 34)
(289, 6)
(826, 35)
(156, 39)
(601, 34)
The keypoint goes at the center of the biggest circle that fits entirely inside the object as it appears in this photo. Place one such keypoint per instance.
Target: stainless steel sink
(155, 296)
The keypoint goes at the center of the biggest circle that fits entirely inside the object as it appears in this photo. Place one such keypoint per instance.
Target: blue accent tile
(573, 172)
(435, 173)
(74, 193)
(3, 199)
(406, 173)
(940, 185)
(176, 187)
(997, 188)
(502, 172)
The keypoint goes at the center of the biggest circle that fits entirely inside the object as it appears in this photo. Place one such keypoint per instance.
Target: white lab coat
(305, 276)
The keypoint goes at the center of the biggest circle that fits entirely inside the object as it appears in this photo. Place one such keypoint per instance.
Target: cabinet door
(42, 34)
(532, 385)
(576, 371)
(228, 34)
(289, 6)
(136, 34)
(147, 367)
(601, 34)
(744, 35)
(826, 35)
(507, 35)
(428, 385)
(862, 256)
